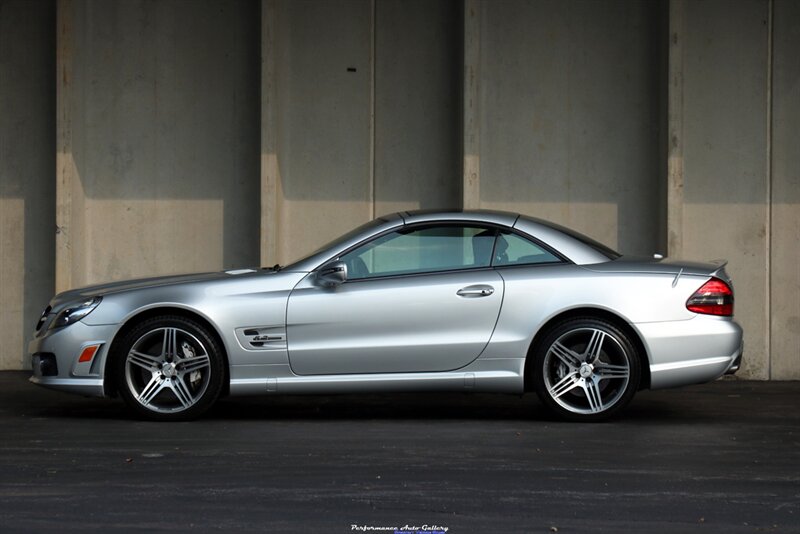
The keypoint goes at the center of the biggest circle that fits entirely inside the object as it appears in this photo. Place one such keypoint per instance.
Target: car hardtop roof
(488, 216)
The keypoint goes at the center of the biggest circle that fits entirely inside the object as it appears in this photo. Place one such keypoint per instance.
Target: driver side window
(421, 250)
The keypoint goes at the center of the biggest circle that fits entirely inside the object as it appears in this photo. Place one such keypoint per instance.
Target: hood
(100, 290)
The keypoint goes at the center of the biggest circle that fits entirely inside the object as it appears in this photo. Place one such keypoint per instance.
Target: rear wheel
(586, 369)
(169, 368)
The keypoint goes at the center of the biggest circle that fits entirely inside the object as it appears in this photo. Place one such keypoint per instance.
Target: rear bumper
(699, 350)
(736, 363)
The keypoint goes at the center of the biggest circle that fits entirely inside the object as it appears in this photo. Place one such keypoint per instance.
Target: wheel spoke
(604, 371)
(182, 393)
(595, 346)
(195, 364)
(152, 389)
(568, 383)
(591, 388)
(566, 355)
(169, 347)
(145, 361)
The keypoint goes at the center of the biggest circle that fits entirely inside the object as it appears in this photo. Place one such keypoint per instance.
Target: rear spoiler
(719, 272)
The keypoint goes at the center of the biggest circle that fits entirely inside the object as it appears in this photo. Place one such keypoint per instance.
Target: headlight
(75, 313)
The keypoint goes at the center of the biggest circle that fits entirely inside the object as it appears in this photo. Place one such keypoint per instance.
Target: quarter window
(512, 249)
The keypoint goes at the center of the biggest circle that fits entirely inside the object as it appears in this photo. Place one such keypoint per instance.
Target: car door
(421, 299)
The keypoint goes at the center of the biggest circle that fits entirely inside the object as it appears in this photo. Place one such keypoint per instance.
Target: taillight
(715, 297)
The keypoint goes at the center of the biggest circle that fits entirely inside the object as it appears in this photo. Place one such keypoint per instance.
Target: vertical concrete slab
(471, 102)
(785, 231)
(159, 128)
(417, 109)
(27, 162)
(675, 114)
(271, 193)
(724, 147)
(571, 113)
(323, 72)
(69, 213)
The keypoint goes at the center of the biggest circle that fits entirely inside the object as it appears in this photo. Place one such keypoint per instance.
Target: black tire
(586, 369)
(168, 368)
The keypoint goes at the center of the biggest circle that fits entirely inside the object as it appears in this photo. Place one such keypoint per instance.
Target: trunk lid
(646, 264)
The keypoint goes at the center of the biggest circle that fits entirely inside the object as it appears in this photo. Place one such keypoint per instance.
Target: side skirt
(499, 381)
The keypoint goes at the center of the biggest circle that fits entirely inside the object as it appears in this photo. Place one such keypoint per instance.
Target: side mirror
(332, 274)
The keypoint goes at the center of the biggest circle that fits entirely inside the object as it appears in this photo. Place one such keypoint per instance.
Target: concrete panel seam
(768, 207)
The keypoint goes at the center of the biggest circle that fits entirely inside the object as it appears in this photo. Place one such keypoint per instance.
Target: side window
(421, 250)
(513, 249)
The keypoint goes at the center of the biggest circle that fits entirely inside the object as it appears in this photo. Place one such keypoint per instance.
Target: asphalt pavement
(717, 458)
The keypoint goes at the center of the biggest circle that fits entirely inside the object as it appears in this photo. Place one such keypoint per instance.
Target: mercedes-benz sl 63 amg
(481, 301)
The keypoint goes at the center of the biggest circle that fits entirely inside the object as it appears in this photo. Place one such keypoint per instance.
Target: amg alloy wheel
(169, 368)
(586, 369)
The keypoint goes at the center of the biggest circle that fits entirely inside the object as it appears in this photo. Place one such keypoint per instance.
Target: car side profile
(482, 301)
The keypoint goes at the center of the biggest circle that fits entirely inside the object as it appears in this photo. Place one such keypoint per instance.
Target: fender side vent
(262, 337)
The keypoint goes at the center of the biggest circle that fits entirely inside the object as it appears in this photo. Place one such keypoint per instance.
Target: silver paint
(460, 330)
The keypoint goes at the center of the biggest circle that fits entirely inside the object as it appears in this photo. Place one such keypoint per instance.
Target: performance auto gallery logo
(405, 529)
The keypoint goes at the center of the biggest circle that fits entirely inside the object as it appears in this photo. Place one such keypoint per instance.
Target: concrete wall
(158, 135)
(364, 114)
(725, 155)
(324, 75)
(739, 196)
(784, 249)
(571, 114)
(417, 105)
(226, 132)
(27, 160)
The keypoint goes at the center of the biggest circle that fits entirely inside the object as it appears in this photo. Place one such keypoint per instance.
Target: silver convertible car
(459, 301)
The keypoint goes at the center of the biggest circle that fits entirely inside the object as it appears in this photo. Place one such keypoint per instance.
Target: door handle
(475, 291)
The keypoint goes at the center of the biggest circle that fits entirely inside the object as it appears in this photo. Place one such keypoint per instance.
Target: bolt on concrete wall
(27, 160)
(159, 134)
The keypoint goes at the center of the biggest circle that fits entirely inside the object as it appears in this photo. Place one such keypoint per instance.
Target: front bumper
(55, 358)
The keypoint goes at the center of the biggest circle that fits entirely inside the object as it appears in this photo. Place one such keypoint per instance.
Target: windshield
(364, 228)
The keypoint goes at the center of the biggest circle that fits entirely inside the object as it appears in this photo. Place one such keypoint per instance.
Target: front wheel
(586, 369)
(168, 368)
